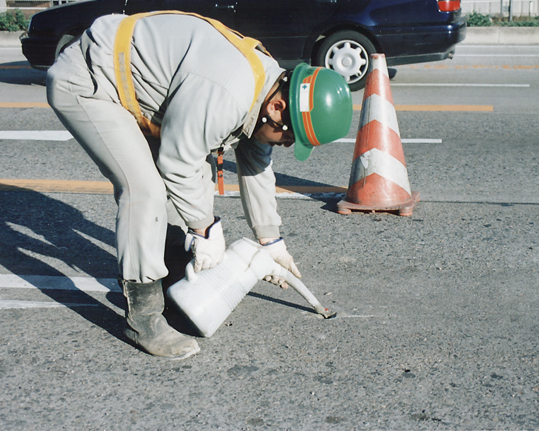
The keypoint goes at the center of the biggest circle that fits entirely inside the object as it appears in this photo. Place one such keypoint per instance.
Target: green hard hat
(320, 108)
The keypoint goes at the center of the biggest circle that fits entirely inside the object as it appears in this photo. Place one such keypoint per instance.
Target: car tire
(65, 41)
(349, 54)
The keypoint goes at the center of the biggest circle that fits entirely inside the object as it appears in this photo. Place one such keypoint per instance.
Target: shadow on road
(20, 73)
(40, 235)
(284, 180)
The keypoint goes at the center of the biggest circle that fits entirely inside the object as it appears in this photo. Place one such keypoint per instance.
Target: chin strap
(265, 119)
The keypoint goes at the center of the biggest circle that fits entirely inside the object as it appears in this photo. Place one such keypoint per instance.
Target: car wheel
(347, 53)
(64, 42)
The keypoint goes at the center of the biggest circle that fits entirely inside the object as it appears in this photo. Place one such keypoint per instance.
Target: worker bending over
(149, 97)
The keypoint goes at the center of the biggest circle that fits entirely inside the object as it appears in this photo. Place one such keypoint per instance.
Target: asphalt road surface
(437, 323)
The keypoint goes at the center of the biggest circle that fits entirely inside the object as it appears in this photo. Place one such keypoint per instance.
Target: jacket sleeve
(199, 117)
(257, 188)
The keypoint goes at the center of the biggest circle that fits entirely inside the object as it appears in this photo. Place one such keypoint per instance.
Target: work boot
(148, 328)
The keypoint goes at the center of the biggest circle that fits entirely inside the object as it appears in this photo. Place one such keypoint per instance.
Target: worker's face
(271, 133)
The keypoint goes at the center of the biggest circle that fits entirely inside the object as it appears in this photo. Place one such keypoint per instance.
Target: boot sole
(187, 355)
(174, 358)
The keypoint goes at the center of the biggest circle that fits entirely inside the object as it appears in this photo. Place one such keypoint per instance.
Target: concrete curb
(474, 36)
(10, 38)
(502, 36)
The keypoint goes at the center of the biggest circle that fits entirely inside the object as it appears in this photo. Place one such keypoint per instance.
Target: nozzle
(325, 312)
(303, 291)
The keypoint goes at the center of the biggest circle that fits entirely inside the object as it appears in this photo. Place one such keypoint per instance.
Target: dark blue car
(338, 34)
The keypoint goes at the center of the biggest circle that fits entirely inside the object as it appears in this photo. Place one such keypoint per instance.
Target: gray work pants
(112, 138)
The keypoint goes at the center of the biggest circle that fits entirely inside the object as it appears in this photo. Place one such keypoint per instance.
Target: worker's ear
(276, 105)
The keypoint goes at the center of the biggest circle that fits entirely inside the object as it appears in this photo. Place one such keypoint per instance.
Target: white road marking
(462, 46)
(100, 244)
(29, 233)
(10, 305)
(287, 195)
(42, 282)
(404, 141)
(402, 84)
(300, 195)
(60, 265)
(36, 135)
(496, 55)
(59, 135)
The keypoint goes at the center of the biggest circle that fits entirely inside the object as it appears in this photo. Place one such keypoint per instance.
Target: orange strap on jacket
(122, 62)
(220, 176)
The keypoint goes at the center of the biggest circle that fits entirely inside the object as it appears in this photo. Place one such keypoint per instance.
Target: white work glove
(278, 252)
(209, 250)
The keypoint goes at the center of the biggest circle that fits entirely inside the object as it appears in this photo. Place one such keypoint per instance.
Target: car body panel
(220, 10)
(47, 28)
(406, 31)
(286, 24)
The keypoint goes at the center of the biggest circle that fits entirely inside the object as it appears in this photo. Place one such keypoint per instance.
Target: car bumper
(423, 58)
(39, 53)
(422, 44)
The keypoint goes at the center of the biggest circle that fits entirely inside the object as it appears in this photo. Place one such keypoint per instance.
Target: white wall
(492, 7)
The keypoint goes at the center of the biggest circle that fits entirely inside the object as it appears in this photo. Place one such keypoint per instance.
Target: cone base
(404, 209)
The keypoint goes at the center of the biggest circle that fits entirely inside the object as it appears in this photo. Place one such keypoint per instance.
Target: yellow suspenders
(122, 62)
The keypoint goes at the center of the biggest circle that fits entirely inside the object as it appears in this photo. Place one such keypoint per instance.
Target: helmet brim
(302, 151)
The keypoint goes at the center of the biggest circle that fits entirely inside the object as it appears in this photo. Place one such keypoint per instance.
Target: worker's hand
(278, 252)
(209, 249)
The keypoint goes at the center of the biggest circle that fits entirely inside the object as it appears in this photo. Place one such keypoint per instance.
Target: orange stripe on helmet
(306, 116)
(307, 123)
(313, 82)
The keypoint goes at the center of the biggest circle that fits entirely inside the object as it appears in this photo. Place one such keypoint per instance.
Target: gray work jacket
(199, 87)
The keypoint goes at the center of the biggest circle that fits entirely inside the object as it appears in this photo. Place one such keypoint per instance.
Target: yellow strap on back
(122, 62)
(124, 78)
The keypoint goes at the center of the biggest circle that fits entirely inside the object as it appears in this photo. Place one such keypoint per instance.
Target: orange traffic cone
(379, 179)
